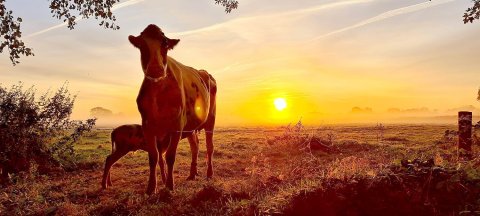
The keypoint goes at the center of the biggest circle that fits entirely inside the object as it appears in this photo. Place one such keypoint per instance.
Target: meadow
(294, 170)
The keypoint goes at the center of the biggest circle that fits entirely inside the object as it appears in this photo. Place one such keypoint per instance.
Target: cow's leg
(209, 140)
(193, 140)
(152, 161)
(4, 175)
(209, 126)
(161, 145)
(111, 159)
(170, 156)
(161, 163)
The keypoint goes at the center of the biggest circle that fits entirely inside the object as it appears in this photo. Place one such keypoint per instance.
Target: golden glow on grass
(280, 103)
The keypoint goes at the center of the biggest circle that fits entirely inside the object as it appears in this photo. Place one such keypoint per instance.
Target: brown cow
(129, 138)
(174, 101)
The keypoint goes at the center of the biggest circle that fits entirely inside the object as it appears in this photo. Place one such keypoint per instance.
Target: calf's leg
(111, 159)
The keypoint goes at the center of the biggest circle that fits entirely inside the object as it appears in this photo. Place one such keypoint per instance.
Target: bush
(37, 130)
(296, 136)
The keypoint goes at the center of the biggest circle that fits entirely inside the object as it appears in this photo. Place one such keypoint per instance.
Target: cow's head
(153, 46)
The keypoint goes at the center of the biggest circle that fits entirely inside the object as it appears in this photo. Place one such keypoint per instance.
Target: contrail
(288, 13)
(386, 15)
(114, 8)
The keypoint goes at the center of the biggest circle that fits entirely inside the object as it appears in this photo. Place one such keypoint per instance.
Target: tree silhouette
(98, 112)
(68, 11)
(478, 95)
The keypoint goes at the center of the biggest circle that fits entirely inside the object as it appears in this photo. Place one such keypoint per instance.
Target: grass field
(269, 171)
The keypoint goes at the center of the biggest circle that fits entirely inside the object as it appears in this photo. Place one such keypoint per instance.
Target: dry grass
(257, 171)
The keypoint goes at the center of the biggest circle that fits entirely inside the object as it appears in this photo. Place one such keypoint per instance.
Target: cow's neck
(157, 79)
(156, 99)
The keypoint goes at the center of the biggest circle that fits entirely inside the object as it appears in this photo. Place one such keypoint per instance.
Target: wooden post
(465, 133)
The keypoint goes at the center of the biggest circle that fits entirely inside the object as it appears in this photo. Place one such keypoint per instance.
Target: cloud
(387, 15)
(114, 8)
(273, 15)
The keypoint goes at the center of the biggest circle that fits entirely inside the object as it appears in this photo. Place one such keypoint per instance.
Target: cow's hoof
(104, 185)
(209, 174)
(191, 177)
(169, 184)
(151, 190)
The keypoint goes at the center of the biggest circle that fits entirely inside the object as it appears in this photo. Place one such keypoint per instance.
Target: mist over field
(356, 115)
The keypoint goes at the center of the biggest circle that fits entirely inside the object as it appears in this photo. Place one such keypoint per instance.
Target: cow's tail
(213, 88)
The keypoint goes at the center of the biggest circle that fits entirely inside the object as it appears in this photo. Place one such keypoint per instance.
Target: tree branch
(10, 35)
(472, 13)
(68, 11)
(99, 9)
(228, 4)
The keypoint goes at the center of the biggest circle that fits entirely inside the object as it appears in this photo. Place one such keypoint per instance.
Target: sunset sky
(390, 58)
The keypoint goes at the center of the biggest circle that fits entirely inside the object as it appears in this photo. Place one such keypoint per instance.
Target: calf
(129, 138)
(125, 138)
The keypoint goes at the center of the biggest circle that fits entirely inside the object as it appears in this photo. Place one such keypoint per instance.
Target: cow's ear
(135, 41)
(171, 43)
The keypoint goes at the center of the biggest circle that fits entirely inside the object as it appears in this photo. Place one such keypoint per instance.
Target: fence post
(465, 133)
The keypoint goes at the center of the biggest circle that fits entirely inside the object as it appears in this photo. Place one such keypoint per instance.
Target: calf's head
(153, 46)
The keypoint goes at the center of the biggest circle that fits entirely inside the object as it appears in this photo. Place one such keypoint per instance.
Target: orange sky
(323, 57)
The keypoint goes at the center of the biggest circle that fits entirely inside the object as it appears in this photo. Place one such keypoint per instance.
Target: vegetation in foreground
(333, 170)
(37, 131)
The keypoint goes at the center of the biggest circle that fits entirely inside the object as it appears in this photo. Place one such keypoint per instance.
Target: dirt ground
(262, 171)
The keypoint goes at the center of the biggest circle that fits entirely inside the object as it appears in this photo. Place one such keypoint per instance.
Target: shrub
(293, 135)
(297, 136)
(37, 129)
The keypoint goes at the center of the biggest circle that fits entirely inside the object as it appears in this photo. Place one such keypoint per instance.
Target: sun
(280, 103)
